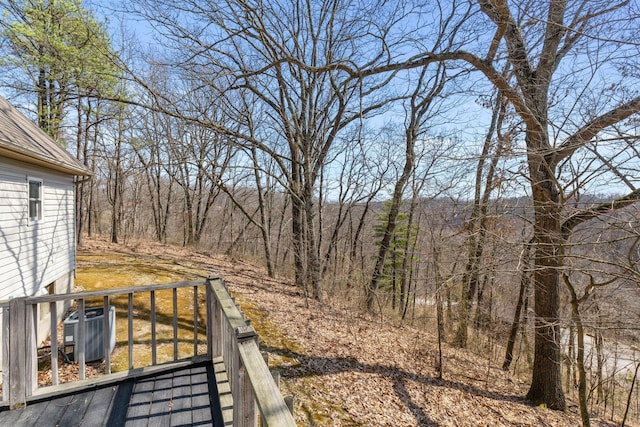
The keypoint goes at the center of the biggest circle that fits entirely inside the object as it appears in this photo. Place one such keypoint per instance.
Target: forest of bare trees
(480, 157)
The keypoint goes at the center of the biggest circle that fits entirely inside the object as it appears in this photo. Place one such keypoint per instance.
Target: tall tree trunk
(633, 383)
(265, 229)
(525, 280)
(440, 324)
(477, 225)
(313, 258)
(80, 189)
(408, 252)
(91, 210)
(600, 357)
(427, 89)
(571, 379)
(42, 98)
(582, 372)
(356, 236)
(394, 209)
(299, 241)
(117, 183)
(440, 283)
(485, 306)
(281, 224)
(546, 384)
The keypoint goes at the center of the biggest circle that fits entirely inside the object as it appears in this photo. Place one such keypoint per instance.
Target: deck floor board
(76, 409)
(200, 399)
(177, 397)
(99, 407)
(161, 404)
(181, 412)
(50, 415)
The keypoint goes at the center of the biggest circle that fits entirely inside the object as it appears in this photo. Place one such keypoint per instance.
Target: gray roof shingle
(23, 140)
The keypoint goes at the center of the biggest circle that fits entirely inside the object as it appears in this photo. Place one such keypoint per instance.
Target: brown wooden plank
(211, 310)
(272, 407)
(28, 415)
(175, 323)
(160, 410)
(130, 328)
(140, 403)
(117, 412)
(181, 398)
(98, 409)
(6, 355)
(51, 413)
(17, 356)
(200, 401)
(111, 292)
(76, 408)
(154, 350)
(106, 334)
(195, 320)
(31, 350)
(244, 403)
(53, 315)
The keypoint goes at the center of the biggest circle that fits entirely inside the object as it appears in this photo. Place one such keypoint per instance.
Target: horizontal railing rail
(256, 397)
(251, 382)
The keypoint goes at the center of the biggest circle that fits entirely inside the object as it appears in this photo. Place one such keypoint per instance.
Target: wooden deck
(191, 390)
(183, 396)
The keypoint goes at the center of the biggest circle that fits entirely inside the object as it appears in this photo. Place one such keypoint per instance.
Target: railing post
(154, 351)
(208, 293)
(53, 319)
(106, 334)
(174, 300)
(130, 328)
(195, 321)
(22, 353)
(17, 365)
(271, 406)
(230, 352)
(81, 340)
(245, 412)
(214, 319)
(31, 348)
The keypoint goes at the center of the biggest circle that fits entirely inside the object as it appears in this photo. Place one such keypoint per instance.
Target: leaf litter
(346, 368)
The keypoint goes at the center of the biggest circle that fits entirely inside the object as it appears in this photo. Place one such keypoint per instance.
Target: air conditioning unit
(93, 333)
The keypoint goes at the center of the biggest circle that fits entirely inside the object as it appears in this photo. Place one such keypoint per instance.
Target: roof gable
(23, 140)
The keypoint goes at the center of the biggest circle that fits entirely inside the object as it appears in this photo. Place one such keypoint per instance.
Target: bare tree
(496, 144)
(552, 132)
(421, 106)
(316, 68)
(153, 155)
(275, 52)
(536, 62)
(202, 158)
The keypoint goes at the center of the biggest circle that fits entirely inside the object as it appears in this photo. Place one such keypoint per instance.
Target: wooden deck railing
(256, 397)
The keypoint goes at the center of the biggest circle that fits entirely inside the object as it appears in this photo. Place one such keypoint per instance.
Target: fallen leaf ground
(345, 368)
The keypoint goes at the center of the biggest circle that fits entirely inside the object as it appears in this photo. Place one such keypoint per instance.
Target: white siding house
(37, 220)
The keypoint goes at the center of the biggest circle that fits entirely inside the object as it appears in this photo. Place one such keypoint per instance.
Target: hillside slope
(346, 369)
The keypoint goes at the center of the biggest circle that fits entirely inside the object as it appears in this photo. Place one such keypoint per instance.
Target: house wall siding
(34, 254)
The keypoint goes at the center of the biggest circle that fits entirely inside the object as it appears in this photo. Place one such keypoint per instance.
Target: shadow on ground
(311, 366)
